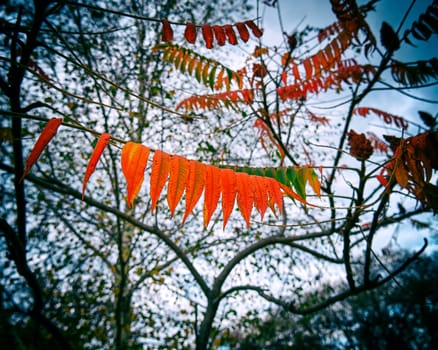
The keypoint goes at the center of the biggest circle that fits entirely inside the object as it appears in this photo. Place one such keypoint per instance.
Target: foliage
(399, 315)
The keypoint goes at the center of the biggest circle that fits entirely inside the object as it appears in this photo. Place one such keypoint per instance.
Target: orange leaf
(229, 191)
(190, 32)
(308, 68)
(231, 35)
(192, 65)
(260, 195)
(134, 160)
(323, 60)
(317, 65)
(46, 135)
(401, 175)
(159, 174)
(245, 196)
(178, 177)
(243, 31)
(207, 34)
(97, 153)
(219, 33)
(195, 186)
(292, 194)
(275, 195)
(296, 72)
(255, 30)
(219, 80)
(313, 180)
(167, 32)
(212, 191)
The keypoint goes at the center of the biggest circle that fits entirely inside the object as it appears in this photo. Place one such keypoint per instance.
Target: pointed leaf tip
(159, 174)
(179, 172)
(212, 191)
(229, 191)
(207, 33)
(94, 159)
(134, 160)
(245, 196)
(46, 135)
(195, 186)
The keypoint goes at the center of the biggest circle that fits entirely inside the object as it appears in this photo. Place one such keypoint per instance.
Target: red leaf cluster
(221, 34)
(360, 146)
(414, 160)
(228, 99)
(388, 118)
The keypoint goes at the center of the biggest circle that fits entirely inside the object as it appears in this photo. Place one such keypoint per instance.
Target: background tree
(126, 276)
(401, 314)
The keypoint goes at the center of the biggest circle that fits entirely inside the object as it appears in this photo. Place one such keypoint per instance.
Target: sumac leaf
(178, 176)
(231, 35)
(134, 160)
(159, 174)
(167, 31)
(190, 32)
(212, 191)
(243, 31)
(97, 153)
(255, 30)
(195, 186)
(219, 33)
(245, 196)
(207, 34)
(229, 191)
(46, 135)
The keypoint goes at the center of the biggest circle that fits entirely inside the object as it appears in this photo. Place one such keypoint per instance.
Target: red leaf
(231, 35)
(46, 135)
(159, 174)
(190, 33)
(296, 72)
(219, 33)
(167, 32)
(243, 31)
(284, 77)
(134, 160)
(178, 177)
(195, 186)
(97, 153)
(255, 30)
(212, 191)
(382, 179)
(207, 33)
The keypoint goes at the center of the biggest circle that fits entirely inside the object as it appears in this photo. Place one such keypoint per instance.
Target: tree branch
(362, 288)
